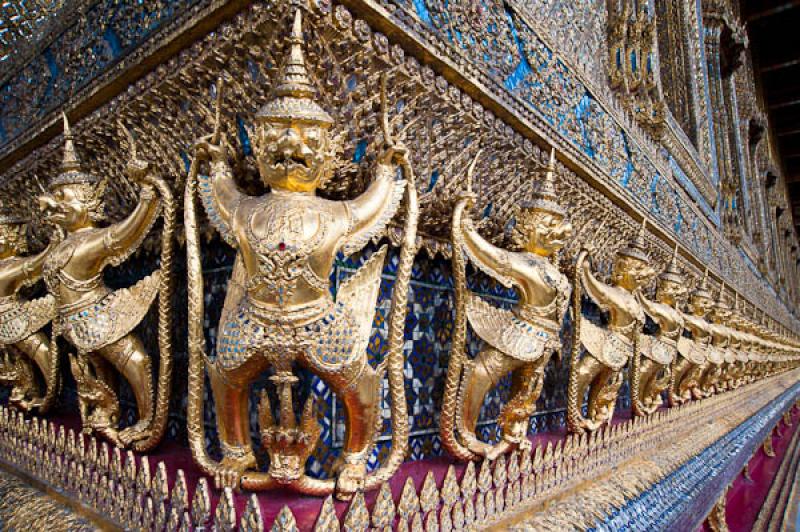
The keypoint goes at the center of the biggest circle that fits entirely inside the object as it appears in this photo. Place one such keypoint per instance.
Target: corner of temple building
(321, 265)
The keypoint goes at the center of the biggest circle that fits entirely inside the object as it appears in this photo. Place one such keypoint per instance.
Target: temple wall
(511, 77)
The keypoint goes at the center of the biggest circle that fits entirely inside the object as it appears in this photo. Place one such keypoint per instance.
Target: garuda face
(72, 206)
(547, 232)
(294, 156)
(630, 273)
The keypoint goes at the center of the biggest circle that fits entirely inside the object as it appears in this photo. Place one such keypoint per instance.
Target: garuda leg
(480, 377)
(130, 359)
(587, 372)
(526, 386)
(603, 396)
(37, 348)
(654, 380)
(231, 391)
(680, 367)
(358, 387)
(689, 387)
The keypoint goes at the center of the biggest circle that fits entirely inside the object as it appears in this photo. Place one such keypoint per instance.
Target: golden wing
(235, 291)
(359, 293)
(204, 190)
(691, 351)
(506, 332)
(611, 349)
(41, 312)
(112, 318)
(25, 318)
(358, 239)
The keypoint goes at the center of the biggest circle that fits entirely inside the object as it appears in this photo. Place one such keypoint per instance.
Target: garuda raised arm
(21, 321)
(659, 350)
(519, 341)
(96, 320)
(607, 350)
(279, 311)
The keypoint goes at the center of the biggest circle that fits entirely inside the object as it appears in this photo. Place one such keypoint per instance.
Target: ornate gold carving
(519, 341)
(716, 520)
(632, 62)
(96, 320)
(278, 308)
(768, 450)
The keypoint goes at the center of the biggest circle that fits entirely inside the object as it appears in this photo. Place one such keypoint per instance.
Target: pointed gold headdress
(294, 96)
(702, 287)
(722, 304)
(544, 195)
(71, 171)
(672, 273)
(637, 249)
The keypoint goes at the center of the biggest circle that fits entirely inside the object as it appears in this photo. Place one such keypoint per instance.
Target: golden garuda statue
(599, 371)
(692, 359)
(518, 341)
(720, 339)
(735, 356)
(21, 338)
(97, 321)
(658, 350)
(279, 311)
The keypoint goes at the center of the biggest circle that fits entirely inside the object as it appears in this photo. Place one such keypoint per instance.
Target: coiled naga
(693, 346)
(599, 371)
(658, 350)
(21, 322)
(97, 321)
(279, 311)
(518, 341)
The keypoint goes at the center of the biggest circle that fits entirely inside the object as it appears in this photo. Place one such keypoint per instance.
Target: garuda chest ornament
(279, 312)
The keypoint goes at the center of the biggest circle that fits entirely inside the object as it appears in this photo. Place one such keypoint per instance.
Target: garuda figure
(688, 368)
(518, 341)
(717, 351)
(607, 350)
(279, 312)
(97, 321)
(735, 370)
(21, 323)
(660, 349)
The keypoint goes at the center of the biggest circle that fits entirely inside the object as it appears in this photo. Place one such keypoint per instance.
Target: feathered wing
(26, 318)
(505, 331)
(235, 291)
(359, 293)
(205, 191)
(359, 239)
(691, 351)
(113, 317)
(609, 348)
